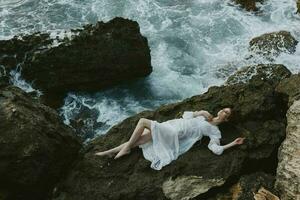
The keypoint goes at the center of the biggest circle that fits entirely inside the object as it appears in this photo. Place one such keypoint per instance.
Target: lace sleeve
(214, 146)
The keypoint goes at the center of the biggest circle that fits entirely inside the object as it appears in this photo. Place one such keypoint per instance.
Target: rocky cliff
(259, 115)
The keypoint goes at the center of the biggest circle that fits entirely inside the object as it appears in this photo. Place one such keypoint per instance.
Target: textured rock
(258, 114)
(36, 148)
(253, 182)
(264, 194)
(95, 58)
(288, 170)
(100, 56)
(246, 186)
(188, 187)
(267, 72)
(272, 44)
(249, 5)
(13, 51)
(298, 6)
(290, 88)
(85, 122)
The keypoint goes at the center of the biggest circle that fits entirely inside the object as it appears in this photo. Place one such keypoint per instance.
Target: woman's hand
(239, 141)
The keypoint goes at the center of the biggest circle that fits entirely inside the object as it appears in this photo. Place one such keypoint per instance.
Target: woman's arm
(237, 141)
(191, 114)
(216, 148)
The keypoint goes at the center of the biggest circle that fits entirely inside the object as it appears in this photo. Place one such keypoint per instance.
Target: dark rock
(85, 122)
(4, 77)
(100, 56)
(36, 148)
(272, 44)
(258, 115)
(298, 6)
(96, 57)
(253, 182)
(54, 100)
(246, 186)
(15, 50)
(289, 88)
(4, 81)
(249, 5)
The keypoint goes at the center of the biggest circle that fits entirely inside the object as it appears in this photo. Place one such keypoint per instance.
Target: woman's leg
(139, 129)
(110, 152)
(144, 138)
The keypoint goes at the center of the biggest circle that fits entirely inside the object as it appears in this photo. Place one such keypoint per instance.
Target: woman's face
(224, 113)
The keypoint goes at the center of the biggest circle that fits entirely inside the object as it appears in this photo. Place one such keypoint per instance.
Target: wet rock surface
(249, 5)
(36, 148)
(85, 123)
(272, 73)
(272, 44)
(259, 115)
(288, 171)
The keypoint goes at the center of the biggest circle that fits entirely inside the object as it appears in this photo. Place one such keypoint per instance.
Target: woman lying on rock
(163, 142)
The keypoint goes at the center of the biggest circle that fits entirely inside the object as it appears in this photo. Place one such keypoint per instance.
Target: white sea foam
(17, 80)
(191, 41)
(11, 3)
(111, 110)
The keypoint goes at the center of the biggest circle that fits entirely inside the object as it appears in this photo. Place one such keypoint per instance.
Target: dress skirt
(167, 142)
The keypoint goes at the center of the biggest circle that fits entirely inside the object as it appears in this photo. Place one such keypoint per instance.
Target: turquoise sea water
(194, 44)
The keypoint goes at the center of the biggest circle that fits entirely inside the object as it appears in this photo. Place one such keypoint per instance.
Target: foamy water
(194, 44)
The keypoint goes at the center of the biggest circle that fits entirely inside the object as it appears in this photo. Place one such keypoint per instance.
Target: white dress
(174, 137)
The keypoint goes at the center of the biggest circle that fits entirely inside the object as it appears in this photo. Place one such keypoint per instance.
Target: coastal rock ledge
(36, 147)
(259, 115)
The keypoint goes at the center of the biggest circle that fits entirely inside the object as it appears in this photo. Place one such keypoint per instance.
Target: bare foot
(123, 152)
(104, 153)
